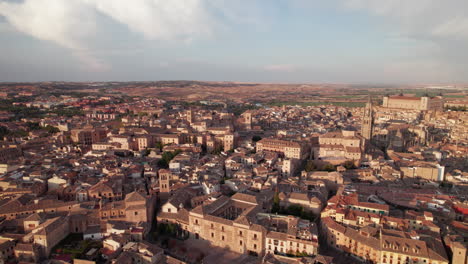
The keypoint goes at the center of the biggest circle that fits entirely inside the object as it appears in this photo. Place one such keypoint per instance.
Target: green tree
(145, 152)
(256, 138)
(328, 167)
(310, 166)
(295, 210)
(166, 157)
(349, 165)
(33, 125)
(217, 150)
(159, 145)
(51, 129)
(276, 204)
(4, 132)
(307, 215)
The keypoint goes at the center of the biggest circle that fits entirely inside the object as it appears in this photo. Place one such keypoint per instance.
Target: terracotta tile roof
(277, 235)
(374, 205)
(405, 98)
(24, 247)
(416, 248)
(134, 197)
(331, 224)
(244, 198)
(368, 241)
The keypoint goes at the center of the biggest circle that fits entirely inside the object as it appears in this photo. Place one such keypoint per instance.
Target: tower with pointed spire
(190, 116)
(367, 120)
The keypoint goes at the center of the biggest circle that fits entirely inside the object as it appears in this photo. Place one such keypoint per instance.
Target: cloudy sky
(346, 41)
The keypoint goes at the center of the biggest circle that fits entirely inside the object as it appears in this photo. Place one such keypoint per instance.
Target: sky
(288, 41)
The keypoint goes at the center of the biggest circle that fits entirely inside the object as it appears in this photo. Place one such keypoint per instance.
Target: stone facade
(414, 103)
(289, 149)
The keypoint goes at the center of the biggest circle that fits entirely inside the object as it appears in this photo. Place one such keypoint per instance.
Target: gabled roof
(242, 197)
(33, 217)
(102, 185)
(135, 197)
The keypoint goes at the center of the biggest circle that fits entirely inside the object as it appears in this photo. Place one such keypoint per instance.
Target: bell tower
(367, 120)
(190, 116)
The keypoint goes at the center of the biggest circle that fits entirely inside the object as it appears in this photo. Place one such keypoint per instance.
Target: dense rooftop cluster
(115, 179)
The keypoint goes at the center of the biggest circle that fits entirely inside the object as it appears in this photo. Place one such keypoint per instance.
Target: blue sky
(334, 41)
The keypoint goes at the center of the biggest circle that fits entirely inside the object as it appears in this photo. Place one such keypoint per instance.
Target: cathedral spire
(367, 120)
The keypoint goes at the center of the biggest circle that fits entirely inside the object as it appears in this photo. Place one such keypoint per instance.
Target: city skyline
(343, 41)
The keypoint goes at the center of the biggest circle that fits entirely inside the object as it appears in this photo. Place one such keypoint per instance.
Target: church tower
(248, 120)
(190, 116)
(367, 121)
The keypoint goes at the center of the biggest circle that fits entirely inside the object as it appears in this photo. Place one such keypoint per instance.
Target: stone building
(414, 103)
(135, 208)
(367, 121)
(88, 135)
(238, 223)
(289, 149)
(9, 153)
(48, 234)
(365, 231)
(339, 146)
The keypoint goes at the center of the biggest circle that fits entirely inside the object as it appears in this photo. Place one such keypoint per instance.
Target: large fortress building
(414, 103)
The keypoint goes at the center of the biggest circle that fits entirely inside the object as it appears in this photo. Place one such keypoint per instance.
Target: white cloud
(159, 19)
(73, 23)
(456, 27)
(66, 23)
(439, 29)
(423, 18)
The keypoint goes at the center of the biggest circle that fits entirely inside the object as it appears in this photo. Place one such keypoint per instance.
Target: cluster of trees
(457, 108)
(168, 229)
(37, 126)
(297, 210)
(24, 133)
(344, 104)
(349, 165)
(311, 166)
(238, 109)
(256, 138)
(51, 129)
(294, 209)
(68, 112)
(167, 156)
(159, 145)
(145, 152)
(20, 111)
(4, 132)
(217, 150)
(297, 254)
